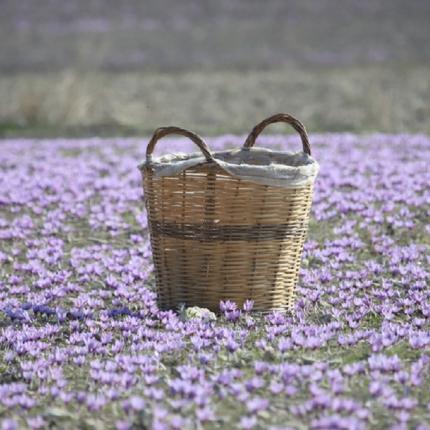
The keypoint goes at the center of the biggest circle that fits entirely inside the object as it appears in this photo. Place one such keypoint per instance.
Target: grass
(326, 99)
(109, 69)
(73, 415)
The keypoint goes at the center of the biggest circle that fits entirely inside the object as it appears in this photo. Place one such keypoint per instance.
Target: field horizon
(104, 68)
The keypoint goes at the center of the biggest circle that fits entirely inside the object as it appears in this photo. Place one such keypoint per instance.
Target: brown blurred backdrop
(105, 67)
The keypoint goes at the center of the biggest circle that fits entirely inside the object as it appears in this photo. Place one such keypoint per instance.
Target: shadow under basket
(216, 236)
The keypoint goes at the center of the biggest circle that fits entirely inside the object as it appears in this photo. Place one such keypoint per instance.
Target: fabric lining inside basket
(258, 165)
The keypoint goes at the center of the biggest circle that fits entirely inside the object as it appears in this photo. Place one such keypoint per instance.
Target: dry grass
(375, 98)
(80, 67)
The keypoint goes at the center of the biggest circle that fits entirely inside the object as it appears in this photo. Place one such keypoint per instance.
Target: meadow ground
(83, 344)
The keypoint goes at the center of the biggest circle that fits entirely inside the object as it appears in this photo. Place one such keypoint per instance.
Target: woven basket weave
(216, 237)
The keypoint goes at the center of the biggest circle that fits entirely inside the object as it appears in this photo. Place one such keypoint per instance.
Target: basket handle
(164, 131)
(280, 117)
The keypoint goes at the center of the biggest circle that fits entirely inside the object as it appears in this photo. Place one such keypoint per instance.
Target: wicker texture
(215, 237)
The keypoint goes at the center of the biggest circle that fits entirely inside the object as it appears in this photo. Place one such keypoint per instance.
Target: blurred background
(110, 68)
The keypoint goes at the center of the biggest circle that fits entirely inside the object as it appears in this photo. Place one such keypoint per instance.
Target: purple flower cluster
(83, 342)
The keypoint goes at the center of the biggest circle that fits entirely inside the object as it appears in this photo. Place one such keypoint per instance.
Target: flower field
(83, 344)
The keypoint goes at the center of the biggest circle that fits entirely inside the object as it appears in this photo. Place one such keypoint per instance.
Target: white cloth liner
(259, 165)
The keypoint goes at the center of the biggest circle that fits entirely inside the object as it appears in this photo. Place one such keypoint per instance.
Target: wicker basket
(216, 237)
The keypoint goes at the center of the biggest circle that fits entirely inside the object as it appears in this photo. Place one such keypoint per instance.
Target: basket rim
(264, 166)
(181, 156)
